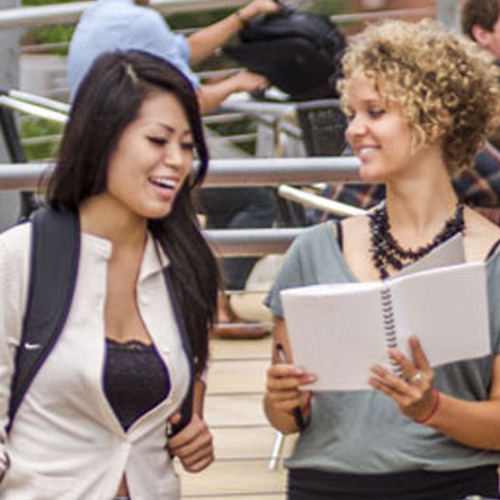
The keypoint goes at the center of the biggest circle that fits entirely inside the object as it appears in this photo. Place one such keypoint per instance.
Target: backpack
(55, 254)
(298, 52)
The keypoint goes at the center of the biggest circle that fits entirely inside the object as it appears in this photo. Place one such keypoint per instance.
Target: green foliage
(197, 19)
(50, 34)
(331, 7)
(40, 128)
(29, 3)
(55, 35)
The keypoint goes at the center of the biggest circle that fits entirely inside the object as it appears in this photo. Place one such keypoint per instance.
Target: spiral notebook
(339, 331)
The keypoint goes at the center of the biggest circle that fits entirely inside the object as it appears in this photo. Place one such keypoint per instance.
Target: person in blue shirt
(109, 25)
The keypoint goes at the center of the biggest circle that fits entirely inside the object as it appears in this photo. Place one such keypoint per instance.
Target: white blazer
(66, 442)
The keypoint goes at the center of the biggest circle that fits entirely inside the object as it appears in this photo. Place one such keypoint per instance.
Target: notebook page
(447, 309)
(336, 332)
(450, 252)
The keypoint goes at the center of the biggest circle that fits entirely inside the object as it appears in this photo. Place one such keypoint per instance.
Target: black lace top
(135, 379)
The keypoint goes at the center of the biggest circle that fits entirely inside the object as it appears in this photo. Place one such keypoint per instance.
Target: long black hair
(108, 100)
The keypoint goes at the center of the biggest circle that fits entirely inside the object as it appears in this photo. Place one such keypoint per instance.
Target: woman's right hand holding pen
(284, 397)
(287, 401)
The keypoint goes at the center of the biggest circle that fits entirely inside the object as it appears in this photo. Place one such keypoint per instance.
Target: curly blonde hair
(447, 87)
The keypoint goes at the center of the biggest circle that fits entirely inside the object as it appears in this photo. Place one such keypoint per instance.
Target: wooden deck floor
(243, 438)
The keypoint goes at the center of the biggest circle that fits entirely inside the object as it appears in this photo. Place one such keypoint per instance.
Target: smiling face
(378, 132)
(152, 159)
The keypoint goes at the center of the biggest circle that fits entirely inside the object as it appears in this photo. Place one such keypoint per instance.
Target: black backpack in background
(299, 52)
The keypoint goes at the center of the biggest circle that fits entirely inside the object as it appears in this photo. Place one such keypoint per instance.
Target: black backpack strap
(186, 409)
(55, 252)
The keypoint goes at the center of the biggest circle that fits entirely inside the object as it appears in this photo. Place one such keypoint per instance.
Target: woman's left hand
(193, 445)
(413, 392)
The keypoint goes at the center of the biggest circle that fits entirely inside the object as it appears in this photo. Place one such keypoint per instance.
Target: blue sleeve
(159, 39)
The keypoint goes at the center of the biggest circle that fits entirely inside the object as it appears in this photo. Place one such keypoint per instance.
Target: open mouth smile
(164, 182)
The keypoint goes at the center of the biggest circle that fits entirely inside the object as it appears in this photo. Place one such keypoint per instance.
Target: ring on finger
(416, 379)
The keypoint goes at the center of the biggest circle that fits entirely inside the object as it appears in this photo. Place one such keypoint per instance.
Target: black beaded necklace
(387, 252)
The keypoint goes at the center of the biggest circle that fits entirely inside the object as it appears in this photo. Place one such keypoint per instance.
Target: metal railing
(222, 173)
(69, 13)
(262, 172)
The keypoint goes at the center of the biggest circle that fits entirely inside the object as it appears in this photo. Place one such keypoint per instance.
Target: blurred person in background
(481, 22)
(108, 25)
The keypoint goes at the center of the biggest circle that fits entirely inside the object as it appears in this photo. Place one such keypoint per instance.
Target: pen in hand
(297, 413)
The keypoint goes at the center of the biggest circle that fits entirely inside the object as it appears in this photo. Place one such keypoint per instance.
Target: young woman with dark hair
(119, 372)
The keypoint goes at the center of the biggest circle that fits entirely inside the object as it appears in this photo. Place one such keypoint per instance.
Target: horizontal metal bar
(218, 73)
(43, 47)
(251, 242)
(69, 13)
(42, 139)
(23, 176)
(32, 109)
(38, 100)
(223, 118)
(318, 202)
(383, 14)
(234, 138)
(231, 172)
(276, 171)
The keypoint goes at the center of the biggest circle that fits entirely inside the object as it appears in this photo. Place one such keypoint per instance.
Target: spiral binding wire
(389, 326)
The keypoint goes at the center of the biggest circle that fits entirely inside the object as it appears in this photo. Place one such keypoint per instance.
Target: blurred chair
(322, 124)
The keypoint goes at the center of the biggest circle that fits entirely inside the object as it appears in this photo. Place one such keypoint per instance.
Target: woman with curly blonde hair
(421, 102)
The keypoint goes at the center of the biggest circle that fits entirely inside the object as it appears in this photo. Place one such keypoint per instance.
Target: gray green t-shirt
(363, 431)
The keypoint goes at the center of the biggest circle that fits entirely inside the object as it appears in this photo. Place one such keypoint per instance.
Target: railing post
(12, 140)
(9, 78)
